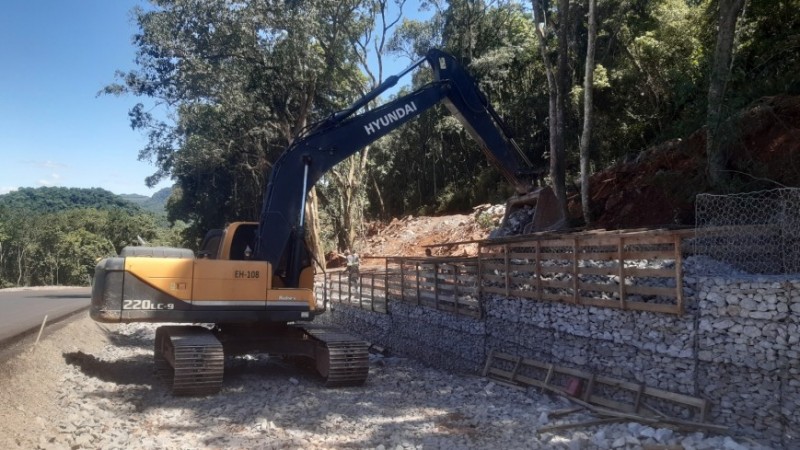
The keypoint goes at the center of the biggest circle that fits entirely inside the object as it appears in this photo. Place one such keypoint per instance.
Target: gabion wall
(738, 345)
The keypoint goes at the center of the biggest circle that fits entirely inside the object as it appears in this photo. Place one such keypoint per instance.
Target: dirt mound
(410, 235)
(658, 187)
(653, 189)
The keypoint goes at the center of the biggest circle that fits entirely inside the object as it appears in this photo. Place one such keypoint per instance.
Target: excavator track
(342, 359)
(190, 359)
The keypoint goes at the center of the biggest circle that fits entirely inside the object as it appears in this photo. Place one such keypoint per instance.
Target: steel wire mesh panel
(758, 232)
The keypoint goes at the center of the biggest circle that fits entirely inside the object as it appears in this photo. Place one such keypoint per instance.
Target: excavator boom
(281, 229)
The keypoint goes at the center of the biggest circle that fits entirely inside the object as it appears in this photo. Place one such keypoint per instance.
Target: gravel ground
(91, 386)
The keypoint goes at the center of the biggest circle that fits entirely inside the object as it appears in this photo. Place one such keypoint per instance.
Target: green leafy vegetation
(55, 236)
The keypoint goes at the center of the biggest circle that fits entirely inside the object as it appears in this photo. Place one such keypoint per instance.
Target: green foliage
(486, 221)
(61, 247)
(55, 199)
(243, 79)
(156, 203)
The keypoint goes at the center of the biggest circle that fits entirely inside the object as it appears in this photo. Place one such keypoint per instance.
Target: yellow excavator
(251, 286)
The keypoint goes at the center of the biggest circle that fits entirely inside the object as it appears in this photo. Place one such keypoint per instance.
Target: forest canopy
(55, 235)
(240, 80)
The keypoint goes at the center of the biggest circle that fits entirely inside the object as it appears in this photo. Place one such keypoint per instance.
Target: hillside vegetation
(157, 203)
(55, 235)
(55, 199)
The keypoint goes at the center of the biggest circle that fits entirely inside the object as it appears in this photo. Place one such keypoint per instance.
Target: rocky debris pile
(514, 223)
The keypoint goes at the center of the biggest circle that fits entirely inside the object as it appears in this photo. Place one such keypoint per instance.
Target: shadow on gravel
(143, 339)
(127, 371)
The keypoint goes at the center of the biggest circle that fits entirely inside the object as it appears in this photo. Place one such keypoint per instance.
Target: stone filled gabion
(737, 345)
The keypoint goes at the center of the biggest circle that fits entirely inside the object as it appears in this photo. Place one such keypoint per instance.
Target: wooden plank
(522, 255)
(652, 290)
(584, 424)
(538, 270)
(597, 256)
(488, 362)
(520, 280)
(494, 266)
(557, 284)
(507, 272)
(494, 290)
(621, 269)
(524, 294)
(495, 278)
(555, 270)
(649, 273)
(566, 298)
(575, 278)
(455, 287)
(598, 287)
(597, 270)
(565, 256)
(649, 255)
(564, 412)
(611, 382)
(637, 403)
(679, 280)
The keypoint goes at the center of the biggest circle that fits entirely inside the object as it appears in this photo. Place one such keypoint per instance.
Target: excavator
(250, 288)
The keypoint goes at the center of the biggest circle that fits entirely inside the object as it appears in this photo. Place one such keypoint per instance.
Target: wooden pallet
(592, 389)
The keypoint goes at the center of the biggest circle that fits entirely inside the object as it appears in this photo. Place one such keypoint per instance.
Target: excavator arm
(281, 226)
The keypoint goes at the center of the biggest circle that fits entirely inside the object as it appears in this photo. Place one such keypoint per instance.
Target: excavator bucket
(547, 214)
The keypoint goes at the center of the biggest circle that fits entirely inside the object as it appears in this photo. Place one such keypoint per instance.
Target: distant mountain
(156, 203)
(55, 199)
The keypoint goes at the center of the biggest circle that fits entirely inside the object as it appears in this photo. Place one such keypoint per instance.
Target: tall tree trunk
(313, 232)
(558, 165)
(557, 84)
(552, 88)
(717, 152)
(586, 135)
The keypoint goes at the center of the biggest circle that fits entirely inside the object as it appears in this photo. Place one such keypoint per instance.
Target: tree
(717, 151)
(345, 198)
(242, 81)
(558, 82)
(586, 135)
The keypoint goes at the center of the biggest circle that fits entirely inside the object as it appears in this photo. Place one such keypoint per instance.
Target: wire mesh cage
(758, 232)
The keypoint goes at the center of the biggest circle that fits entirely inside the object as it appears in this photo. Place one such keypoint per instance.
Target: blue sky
(54, 129)
(55, 55)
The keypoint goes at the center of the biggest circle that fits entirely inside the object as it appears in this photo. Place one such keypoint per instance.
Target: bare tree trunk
(551, 79)
(380, 198)
(718, 155)
(20, 266)
(558, 165)
(586, 135)
(557, 85)
(313, 233)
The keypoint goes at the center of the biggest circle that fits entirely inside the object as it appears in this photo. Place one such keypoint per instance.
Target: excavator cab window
(210, 247)
(243, 239)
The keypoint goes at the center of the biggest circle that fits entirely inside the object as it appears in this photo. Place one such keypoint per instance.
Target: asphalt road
(23, 309)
